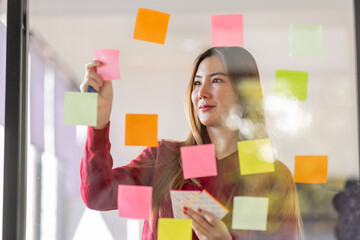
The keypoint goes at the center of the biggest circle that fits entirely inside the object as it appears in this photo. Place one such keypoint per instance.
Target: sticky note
(250, 213)
(181, 198)
(311, 169)
(151, 25)
(256, 156)
(109, 69)
(134, 201)
(198, 161)
(291, 84)
(207, 202)
(227, 30)
(80, 108)
(174, 229)
(305, 40)
(141, 130)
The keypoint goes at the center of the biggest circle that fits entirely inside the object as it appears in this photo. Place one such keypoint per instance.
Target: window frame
(15, 128)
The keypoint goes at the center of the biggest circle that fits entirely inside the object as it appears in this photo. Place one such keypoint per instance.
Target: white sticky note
(250, 213)
(207, 202)
(179, 199)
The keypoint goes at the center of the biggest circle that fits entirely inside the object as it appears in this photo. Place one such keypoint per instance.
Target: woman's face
(213, 94)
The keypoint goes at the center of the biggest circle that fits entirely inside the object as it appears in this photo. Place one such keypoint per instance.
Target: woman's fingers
(207, 226)
(211, 218)
(84, 85)
(90, 82)
(92, 65)
(197, 217)
(201, 227)
(93, 75)
(91, 79)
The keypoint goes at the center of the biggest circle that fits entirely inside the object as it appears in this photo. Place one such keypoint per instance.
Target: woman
(224, 86)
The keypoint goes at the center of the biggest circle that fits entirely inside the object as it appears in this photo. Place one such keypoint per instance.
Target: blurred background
(154, 79)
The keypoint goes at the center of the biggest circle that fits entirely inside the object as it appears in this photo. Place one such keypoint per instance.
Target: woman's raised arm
(99, 181)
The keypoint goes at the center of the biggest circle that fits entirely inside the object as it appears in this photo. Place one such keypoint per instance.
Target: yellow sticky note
(256, 156)
(174, 229)
(141, 130)
(311, 169)
(151, 25)
(250, 213)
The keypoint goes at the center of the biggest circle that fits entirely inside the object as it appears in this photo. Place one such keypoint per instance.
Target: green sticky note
(174, 229)
(250, 213)
(256, 156)
(80, 108)
(291, 84)
(305, 40)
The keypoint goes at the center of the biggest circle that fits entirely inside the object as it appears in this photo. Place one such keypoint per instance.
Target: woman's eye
(197, 83)
(217, 80)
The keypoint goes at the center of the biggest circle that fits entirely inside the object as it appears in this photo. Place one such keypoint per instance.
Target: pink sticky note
(109, 70)
(198, 161)
(134, 201)
(227, 30)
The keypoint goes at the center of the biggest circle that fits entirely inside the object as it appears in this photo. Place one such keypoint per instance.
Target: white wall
(154, 77)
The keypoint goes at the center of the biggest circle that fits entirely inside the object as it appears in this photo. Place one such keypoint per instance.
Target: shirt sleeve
(99, 181)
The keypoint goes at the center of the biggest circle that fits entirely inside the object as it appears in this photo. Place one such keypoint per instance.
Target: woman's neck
(224, 140)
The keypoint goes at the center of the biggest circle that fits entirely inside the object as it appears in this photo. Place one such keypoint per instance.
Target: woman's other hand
(104, 90)
(207, 226)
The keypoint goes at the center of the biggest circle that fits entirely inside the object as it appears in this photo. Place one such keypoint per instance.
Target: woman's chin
(209, 122)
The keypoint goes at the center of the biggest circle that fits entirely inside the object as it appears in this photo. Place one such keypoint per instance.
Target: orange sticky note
(141, 130)
(311, 169)
(151, 25)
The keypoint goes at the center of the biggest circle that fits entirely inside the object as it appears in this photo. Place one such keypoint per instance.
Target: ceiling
(64, 7)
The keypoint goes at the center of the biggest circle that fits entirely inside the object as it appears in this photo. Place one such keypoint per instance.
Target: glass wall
(154, 79)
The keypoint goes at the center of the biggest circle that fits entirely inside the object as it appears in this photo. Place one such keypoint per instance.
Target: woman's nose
(204, 91)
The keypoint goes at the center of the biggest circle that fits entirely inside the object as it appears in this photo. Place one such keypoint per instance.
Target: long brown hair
(241, 67)
(243, 71)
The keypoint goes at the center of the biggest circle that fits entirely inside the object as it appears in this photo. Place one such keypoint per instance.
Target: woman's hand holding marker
(104, 90)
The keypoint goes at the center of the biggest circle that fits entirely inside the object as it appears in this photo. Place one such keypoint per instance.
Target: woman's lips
(205, 108)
